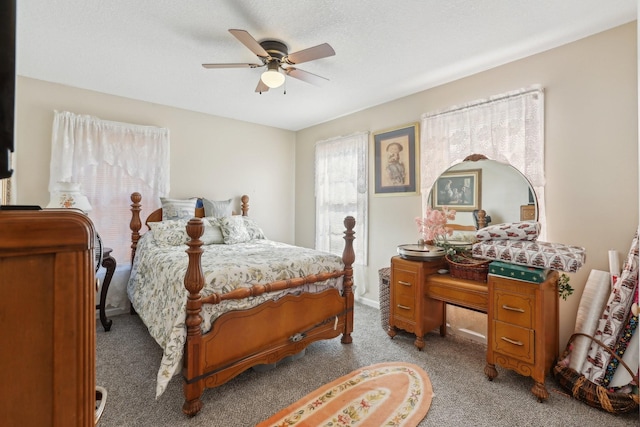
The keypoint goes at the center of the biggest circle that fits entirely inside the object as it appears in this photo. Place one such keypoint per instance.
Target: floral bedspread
(156, 285)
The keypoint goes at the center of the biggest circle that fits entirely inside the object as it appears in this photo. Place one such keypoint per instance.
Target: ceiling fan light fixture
(272, 77)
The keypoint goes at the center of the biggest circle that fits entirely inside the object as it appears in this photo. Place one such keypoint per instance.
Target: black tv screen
(7, 84)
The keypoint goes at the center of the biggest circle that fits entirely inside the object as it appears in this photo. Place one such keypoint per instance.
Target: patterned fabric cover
(173, 232)
(623, 342)
(554, 256)
(234, 230)
(524, 230)
(611, 325)
(156, 285)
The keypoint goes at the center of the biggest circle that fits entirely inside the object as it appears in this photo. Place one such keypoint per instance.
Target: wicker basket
(593, 394)
(384, 274)
(465, 267)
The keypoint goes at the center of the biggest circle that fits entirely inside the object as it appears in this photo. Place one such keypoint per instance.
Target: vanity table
(522, 316)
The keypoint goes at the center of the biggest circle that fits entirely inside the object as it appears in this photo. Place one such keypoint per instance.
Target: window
(341, 190)
(508, 127)
(111, 160)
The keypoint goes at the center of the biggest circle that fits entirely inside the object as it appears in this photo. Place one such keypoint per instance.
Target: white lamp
(68, 195)
(272, 77)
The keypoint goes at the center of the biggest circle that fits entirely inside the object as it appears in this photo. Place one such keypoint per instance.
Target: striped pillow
(178, 208)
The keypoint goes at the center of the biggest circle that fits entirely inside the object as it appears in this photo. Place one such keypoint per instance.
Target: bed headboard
(156, 216)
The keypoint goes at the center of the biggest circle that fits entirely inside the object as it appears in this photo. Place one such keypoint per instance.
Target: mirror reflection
(499, 189)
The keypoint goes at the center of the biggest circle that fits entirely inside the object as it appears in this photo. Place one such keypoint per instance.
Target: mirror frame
(525, 214)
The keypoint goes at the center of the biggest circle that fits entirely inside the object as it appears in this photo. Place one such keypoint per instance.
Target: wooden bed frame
(241, 339)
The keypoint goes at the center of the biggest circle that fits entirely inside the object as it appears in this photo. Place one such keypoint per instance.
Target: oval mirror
(478, 183)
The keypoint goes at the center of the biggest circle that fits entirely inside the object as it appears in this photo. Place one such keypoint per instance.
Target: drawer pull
(404, 283)
(404, 307)
(519, 310)
(510, 341)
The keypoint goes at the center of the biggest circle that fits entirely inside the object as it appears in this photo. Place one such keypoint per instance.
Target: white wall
(211, 156)
(591, 159)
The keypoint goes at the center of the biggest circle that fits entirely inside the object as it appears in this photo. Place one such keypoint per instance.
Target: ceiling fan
(275, 55)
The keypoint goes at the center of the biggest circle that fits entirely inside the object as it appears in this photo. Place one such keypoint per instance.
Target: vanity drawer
(513, 308)
(513, 341)
(404, 293)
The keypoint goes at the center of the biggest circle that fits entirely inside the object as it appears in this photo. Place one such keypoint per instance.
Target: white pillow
(217, 208)
(212, 232)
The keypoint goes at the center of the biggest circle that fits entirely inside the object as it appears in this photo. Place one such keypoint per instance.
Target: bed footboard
(334, 317)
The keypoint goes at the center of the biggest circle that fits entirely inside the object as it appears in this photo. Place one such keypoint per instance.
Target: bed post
(193, 282)
(348, 256)
(245, 205)
(135, 223)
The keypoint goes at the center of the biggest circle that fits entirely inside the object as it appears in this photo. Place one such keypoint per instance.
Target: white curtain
(111, 160)
(341, 189)
(508, 128)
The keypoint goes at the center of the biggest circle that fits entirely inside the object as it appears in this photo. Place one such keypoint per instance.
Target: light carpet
(384, 394)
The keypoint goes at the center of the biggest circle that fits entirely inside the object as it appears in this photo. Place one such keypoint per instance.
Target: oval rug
(384, 394)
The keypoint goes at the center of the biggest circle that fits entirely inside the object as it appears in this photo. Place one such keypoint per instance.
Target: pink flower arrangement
(433, 227)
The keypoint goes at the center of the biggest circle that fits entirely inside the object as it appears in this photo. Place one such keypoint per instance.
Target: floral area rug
(384, 394)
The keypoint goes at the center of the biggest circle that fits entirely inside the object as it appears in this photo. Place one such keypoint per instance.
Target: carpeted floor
(128, 359)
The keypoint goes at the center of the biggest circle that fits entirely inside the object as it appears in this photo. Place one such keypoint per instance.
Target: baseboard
(468, 334)
(112, 311)
(368, 302)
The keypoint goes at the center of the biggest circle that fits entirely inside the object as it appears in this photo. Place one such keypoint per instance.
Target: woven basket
(593, 394)
(465, 267)
(384, 296)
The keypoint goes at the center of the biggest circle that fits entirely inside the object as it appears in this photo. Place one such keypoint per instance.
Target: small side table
(109, 263)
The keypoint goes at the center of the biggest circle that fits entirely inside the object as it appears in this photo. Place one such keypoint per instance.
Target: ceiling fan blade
(261, 87)
(235, 65)
(306, 76)
(248, 40)
(310, 54)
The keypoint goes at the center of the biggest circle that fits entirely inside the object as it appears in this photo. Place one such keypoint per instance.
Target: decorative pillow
(218, 208)
(212, 232)
(172, 232)
(178, 208)
(255, 232)
(234, 229)
(523, 230)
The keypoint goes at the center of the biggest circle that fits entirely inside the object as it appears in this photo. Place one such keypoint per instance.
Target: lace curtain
(508, 128)
(341, 189)
(110, 160)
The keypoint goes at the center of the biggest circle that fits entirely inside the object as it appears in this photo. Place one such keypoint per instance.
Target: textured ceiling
(152, 50)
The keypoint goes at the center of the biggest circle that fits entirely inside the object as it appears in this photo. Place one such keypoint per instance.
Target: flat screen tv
(7, 84)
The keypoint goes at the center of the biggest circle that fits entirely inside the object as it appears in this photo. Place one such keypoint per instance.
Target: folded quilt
(523, 230)
(554, 256)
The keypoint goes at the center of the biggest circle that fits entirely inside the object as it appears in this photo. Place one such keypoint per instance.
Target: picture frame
(396, 161)
(459, 190)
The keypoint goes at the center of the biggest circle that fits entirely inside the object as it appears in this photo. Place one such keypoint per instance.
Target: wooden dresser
(522, 316)
(47, 307)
